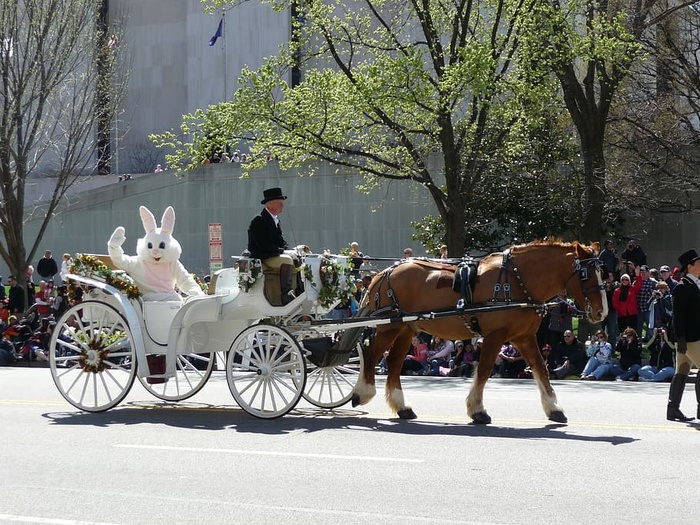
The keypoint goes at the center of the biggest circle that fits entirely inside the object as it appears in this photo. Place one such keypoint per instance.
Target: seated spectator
(443, 350)
(511, 361)
(463, 362)
(416, 361)
(569, 356)
(600, 356)
(548, 359)
(630, 350)
(661, 351)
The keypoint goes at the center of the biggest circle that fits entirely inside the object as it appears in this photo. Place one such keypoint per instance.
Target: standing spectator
(610, 258)
(660, 307)
(30, 284)
(560, 319)
(443, 252)
(643, 299)
(569, 356)
(16, 296)
(356, 258)
(3, 295)
(610, 322)
(66, 263)
(634, 254)
(47, 266)
(625, 302)
(408, 253)
(665, 275)
(158, 169)
(686, 325)
(660, 367)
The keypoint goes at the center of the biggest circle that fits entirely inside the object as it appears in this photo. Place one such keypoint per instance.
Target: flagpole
(223, 16)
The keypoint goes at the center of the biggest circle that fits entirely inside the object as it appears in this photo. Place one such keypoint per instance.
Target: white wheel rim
(332, 387)
(92, 358)
(266, 371)
(192, 371)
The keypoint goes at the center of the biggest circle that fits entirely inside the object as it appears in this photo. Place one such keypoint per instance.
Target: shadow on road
(230, 418)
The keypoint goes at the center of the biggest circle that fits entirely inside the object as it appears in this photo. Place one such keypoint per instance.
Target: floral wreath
(331, 290)
(249, 271)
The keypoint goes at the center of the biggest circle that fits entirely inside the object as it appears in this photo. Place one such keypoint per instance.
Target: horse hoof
(355, 400)
(558, 417)
(481, 418)
(407, 413)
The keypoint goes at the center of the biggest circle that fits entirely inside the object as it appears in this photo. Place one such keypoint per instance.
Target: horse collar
(503, 284)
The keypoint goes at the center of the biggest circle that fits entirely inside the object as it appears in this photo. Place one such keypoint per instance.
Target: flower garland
(89, 266)
(204, 286)
(248, 273)
(331, 290)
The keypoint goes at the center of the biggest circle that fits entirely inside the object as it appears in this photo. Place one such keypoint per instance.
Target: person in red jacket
(625, 302)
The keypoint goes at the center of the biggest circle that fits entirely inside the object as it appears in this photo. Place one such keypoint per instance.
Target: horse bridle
(581, 267)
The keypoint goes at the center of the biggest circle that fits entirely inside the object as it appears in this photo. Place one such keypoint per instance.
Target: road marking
(51, 521)
(269, 453)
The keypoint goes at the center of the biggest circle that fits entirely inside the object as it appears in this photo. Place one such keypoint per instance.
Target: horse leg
(527, 345)
(393, 390)
(489, 351)
(365, 388)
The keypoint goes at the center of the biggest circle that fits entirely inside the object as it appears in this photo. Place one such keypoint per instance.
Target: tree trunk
(591, 228)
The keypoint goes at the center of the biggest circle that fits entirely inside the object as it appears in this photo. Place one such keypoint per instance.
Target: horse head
(590, 291)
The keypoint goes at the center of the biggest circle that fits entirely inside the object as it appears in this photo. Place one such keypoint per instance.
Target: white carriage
(274, 355)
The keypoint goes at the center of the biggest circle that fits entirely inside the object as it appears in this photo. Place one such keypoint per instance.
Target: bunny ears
(149, 221)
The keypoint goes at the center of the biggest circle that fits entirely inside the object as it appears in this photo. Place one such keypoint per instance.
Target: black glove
(681, 345)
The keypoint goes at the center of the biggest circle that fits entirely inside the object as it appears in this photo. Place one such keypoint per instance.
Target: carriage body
(103, 344)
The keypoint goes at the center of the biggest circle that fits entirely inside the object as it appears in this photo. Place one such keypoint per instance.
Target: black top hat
(272, 194)
(687, 258)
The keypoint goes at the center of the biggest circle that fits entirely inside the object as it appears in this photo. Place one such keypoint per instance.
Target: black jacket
(686, 310)
(47, 267)
(264, 238)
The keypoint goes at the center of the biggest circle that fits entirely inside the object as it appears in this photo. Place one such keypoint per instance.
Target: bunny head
(158, 245)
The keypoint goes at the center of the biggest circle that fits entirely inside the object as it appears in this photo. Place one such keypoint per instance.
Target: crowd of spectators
(25, 332)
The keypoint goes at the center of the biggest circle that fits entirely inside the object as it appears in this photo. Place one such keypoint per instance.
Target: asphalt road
(205, 461)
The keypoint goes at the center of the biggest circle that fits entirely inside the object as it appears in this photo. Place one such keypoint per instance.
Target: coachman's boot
(287, 275)
(697, 392)
(675, 394)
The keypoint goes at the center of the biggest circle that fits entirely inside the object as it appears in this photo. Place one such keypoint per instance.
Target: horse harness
(464, 282)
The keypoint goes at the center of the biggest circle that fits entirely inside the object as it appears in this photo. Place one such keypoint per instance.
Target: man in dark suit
(265, 242)
(686, 324)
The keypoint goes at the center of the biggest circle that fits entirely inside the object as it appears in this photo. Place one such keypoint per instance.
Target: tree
(433, 93)
(58, 92)
(591, 46)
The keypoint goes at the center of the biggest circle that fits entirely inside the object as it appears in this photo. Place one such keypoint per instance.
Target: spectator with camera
(661, 350)
(643, 298)
(600, 357)
(630, 351)
(660, 307)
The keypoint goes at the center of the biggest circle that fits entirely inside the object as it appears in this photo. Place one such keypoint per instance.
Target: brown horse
(530, 273)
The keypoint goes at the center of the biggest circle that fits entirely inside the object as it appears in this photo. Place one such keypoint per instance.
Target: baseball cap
(665, 268)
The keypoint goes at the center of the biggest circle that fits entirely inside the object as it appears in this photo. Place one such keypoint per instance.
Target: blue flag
(219, 32)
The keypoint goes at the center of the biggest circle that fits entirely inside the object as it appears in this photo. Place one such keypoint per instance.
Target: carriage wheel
(92, 356)
(266, 371)
(332, 386)
(192, 372)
